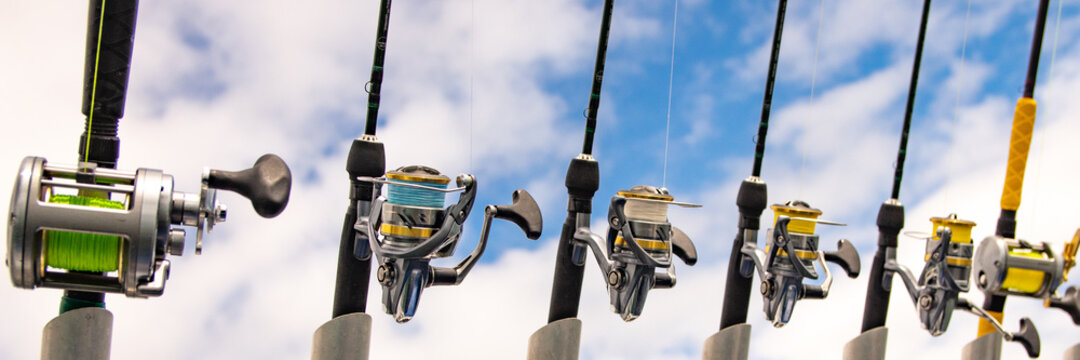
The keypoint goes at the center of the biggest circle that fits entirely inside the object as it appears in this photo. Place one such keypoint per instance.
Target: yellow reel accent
(1019, 144)
(802, 254)
(796, 213)
(961, 229)
(1069, 255)
(419, 232)
(645, 244)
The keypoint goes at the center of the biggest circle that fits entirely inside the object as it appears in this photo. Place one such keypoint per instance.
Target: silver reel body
(405, 238)
(788, 259)
(148, 225)
(1017, 267)
(636, 248)
(945, 275)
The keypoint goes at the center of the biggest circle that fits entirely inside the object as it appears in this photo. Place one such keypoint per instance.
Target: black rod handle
(751, 200)
(890, 220)
(105, 77)
(267, 184)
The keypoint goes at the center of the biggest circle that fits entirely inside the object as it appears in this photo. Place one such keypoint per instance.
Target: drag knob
(524, 212)
(267, 184)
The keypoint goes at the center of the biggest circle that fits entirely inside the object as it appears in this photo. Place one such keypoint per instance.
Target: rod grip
(1019, 144)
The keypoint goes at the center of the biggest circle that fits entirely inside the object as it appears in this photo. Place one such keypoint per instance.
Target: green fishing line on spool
(82, 251)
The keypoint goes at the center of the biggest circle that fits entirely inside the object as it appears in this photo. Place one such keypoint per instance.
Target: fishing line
(472, 72)
(671, 80)
(813, 80)
(956, 112)
(1042, 132)
(93, 90)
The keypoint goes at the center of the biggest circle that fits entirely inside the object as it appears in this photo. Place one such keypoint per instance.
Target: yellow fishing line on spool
(82, 251)
(1024, 280)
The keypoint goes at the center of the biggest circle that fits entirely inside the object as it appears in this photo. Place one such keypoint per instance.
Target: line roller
(788, 258)
(90, 228)
(407, 226)
(640, 240)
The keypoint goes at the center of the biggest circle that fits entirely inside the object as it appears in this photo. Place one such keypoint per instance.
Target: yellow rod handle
(985, 327)
(1019, 144)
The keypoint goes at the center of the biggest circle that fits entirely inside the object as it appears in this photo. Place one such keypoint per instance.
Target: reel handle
(1070, 303)
(1028, 336)
(846, 256)
(267, 184)
(682, 247)
(524, 212)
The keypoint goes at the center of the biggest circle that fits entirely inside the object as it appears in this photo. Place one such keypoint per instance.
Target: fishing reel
(103, 230)
(408, 227)
(1006, 266)
(945, 275)
(788, 258)
(639, 240)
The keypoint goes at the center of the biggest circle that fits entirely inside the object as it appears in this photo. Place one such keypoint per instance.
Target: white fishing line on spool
(644, 210)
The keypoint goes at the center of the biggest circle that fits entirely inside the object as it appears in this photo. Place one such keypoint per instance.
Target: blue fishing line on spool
(407, 195)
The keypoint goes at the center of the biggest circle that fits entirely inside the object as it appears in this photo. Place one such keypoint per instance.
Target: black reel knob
(846, 256)
(1028, 336)
(1070, 303)
(524, 212)
(267, 184)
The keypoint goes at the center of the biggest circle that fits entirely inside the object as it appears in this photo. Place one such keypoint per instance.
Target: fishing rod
(91, 229)
(405, 227)
(561, 337)
(1004, 264)
(947, 265)
(791, 247)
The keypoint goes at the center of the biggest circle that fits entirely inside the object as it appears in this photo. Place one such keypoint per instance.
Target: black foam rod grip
(524, 212)
(683, 247)
(1029, 337)
(267, 184)
(1070, 303)
(847, 257)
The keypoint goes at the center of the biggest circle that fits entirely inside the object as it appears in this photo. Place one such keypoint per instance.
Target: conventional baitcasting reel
(1006, 266)
(639, 240)
(409, 227)
(788, 258)
(104, 230)
(944, 276)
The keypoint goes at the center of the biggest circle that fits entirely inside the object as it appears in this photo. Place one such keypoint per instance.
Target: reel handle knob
(1070, 303)
(524, 212)
(1028, 336)
(846, 256)
(267, 184)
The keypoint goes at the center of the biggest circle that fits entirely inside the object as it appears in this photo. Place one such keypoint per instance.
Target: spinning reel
(639, 240)
(788, 258)
(408, 227)
(1006, 266)
(944, 276)
(96, 229)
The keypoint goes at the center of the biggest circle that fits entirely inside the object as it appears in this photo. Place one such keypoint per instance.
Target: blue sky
(219, 83)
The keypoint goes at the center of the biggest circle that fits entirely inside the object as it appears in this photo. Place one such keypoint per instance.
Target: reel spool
(408, 227)
(788, 258)
(103, 230)
(639, 240)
